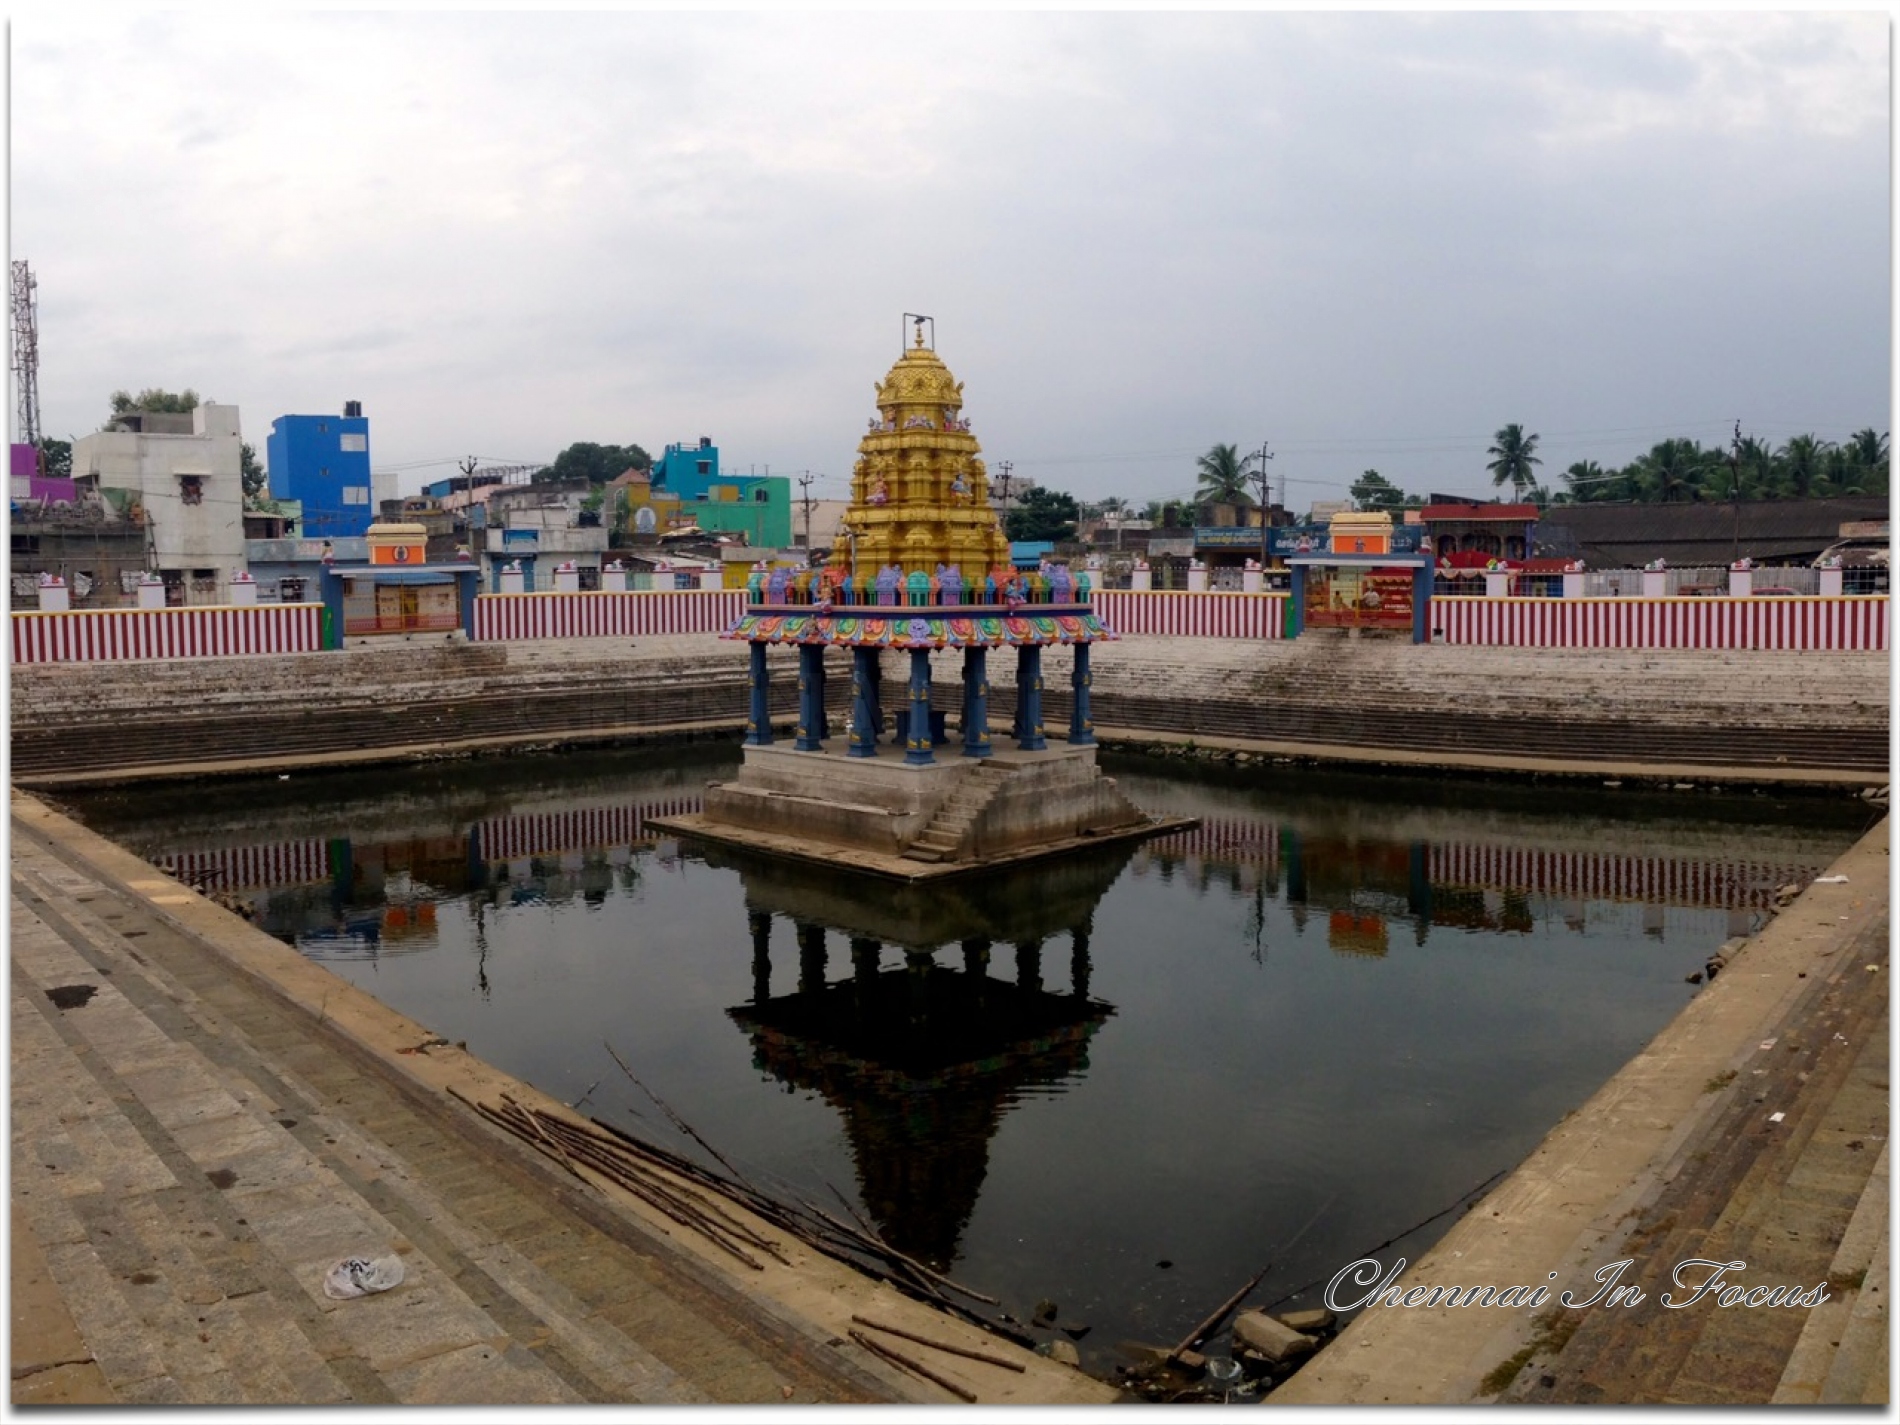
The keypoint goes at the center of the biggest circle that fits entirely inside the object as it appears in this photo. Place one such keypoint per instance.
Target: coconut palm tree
(1803, 464)
(1586, 480)
(1673, 470)
(1223, 477)
(1514, 459)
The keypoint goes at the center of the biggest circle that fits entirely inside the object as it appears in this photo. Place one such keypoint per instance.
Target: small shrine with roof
(922, 566)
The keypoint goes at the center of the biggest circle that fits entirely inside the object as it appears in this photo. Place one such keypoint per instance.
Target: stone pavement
(193, 1146)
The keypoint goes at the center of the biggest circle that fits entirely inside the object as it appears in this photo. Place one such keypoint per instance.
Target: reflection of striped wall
(1220, 838)
(512, 838)
(1666, 880)
(1847, 623)
(117, 635)
(1662, 880)
(1209, 615)
(606, 615)
(289, 863)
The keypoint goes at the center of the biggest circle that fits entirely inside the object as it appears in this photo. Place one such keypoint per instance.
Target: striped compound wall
(1198, 615)
(122, 635)
(1856, 623)
(1850, 623)
(514, 617)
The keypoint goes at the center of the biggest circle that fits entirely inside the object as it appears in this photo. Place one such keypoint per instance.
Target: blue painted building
(323, 462)
(759, 507)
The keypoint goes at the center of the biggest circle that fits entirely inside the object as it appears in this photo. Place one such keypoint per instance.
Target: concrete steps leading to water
(1715, 708)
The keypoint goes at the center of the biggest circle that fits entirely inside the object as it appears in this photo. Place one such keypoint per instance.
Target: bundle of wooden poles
(671, 1184)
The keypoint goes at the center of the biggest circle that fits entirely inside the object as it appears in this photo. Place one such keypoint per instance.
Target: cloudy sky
(1367, 240)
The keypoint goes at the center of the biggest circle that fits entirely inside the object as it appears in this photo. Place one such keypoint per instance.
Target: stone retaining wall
(1713, 707)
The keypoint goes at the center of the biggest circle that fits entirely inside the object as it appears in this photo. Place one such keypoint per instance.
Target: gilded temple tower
(919, 491)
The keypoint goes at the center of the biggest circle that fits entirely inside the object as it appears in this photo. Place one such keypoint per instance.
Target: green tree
(256, 480)
(1223, 477)
(1372, 491)
(1044, 514)
(56, 458)
(1673, 470)
(1803, 462)
(596, 464)
(1514, 459)
(154, 401)
(1587, 480)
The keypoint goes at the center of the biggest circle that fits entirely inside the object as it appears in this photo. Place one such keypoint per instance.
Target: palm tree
(1673, 470)
(1223, 477)
(1586, 481)
(1803, 464)
(1514, 459)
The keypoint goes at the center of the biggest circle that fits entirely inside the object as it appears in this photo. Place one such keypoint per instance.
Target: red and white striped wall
(1196, 615)
(289, 863)
(1849, 623)
(117, 635)
(515, 838)
(509, 617)
(1656, 880)
(1225, 839)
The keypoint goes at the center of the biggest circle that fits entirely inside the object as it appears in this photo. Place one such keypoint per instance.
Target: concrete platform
(896, 868)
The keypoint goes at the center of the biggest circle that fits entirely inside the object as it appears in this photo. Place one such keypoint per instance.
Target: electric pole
(1005, 466)
(804, 486)
(1263, 455)
(1735, 488)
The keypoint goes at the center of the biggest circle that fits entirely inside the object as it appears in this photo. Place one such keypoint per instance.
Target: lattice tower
(26, 354)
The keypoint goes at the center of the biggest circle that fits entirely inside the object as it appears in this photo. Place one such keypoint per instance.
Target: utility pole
(1735, 488)
(1005, 466)
(1263, 455)
(804, 486)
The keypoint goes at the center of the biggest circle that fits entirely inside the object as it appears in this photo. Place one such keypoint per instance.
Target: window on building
(191, 489)
(705, 467)
(761, 495)
(353, 441)
(26, 544)
(356, 494)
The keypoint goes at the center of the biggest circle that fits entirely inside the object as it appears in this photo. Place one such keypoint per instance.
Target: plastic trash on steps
(362, 1276)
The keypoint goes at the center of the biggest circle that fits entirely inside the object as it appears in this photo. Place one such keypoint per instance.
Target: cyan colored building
(757, 506)
(323, 462)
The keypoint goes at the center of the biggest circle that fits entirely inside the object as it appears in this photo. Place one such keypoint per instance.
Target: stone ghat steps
(1694, 741)
(187, 737)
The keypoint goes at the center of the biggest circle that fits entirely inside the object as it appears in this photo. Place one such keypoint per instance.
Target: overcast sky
(1367, 240)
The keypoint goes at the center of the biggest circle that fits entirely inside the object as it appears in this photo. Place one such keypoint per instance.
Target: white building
(186, 473)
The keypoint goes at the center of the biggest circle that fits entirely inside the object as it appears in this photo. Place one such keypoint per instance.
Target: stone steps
(1778, 1195)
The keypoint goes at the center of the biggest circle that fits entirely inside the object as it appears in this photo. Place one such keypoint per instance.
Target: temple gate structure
(922, 567)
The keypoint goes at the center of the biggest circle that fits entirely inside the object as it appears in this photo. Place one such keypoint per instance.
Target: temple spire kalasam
(919, 491)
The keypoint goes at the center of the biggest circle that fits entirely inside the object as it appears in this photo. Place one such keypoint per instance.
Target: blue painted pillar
(1029, 698)
(976, 703)
(874, 684)
(863, 729)
(1421, 604)
(1297, 592)
(1081, 730)
(811, 692)
(917, 751)
(758, 728)
(466, 587)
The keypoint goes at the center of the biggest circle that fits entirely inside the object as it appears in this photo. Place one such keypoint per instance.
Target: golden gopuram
(921, 566)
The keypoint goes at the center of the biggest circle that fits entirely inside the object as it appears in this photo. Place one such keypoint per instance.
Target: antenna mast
(26, 355)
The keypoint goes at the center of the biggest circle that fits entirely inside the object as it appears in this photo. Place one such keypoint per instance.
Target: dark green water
(1121, 1082)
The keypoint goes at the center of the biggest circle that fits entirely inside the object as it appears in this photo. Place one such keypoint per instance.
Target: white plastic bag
(362, 1276)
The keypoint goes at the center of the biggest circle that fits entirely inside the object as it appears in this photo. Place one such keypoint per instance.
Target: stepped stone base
(882, 815)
